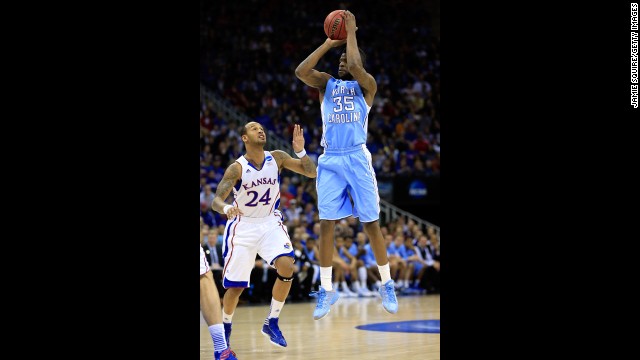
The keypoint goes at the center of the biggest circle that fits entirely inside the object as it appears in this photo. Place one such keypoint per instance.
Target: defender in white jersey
(254, 223)
(345, 171)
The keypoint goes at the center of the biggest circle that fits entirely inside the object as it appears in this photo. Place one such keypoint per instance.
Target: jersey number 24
(264, 199)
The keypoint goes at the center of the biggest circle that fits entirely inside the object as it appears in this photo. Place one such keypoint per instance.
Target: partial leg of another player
(210, 304)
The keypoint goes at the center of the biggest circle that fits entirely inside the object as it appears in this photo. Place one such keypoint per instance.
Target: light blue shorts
(344, 173)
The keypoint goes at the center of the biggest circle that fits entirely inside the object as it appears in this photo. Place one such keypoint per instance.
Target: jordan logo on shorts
(287, 246)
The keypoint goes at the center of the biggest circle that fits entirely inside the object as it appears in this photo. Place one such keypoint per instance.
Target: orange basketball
(334, 25)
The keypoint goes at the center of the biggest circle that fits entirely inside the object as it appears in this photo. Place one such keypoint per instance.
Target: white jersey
(258, 194)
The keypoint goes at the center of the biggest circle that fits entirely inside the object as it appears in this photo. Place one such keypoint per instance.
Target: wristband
(226, 208)
(301, 154)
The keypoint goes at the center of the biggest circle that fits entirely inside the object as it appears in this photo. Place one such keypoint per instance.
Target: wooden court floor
(335, 336)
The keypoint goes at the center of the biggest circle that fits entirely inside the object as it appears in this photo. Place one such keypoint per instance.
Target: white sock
(325, 278)
(226, 318)
(335, 286)
(276, 306)
(385, 272)
(345, 287)
(217, 335)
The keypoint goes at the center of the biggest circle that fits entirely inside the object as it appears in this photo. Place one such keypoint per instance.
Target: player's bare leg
(327, 295)
(285, 269)
(387, 290)
(210, 305)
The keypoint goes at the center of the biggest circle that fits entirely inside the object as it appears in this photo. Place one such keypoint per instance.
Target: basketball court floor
(356, 328)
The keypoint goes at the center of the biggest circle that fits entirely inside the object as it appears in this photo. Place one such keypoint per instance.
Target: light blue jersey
(345, 172)
(345, 115)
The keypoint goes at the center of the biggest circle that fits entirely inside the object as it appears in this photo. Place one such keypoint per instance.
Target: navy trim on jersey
(226, 245)
(235, 284)
(277, 206)
(263, 162)
(291, 254)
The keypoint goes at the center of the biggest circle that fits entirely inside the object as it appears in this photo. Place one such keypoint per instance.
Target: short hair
(363, 56)
(244, 128)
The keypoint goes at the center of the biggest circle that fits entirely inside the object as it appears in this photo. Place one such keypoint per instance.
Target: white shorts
(204, 264)
(245, 237)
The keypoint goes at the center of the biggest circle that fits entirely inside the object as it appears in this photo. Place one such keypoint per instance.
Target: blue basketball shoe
(325, 300)
(271, 329)
(388, 295)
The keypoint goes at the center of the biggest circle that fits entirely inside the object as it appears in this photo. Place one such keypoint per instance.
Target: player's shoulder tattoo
(233, 172)
(280, 156)
(229, 179)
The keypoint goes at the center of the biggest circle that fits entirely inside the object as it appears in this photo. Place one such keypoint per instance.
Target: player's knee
(285, 267)
(287, 271)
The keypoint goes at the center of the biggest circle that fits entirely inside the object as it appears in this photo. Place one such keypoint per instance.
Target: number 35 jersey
(258, 193)
(345, 115)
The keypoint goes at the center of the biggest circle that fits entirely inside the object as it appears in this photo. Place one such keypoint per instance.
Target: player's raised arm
(354, 61)
(304, 165)
(311, 76)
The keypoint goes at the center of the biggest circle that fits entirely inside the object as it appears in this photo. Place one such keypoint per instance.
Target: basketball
(334, 25)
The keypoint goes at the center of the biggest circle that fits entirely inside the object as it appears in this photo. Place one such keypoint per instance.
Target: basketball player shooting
(345, 168)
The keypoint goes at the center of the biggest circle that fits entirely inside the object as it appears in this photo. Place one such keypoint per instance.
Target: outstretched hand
(298, 139)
